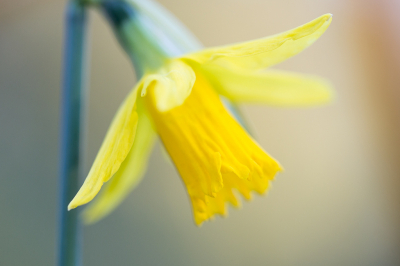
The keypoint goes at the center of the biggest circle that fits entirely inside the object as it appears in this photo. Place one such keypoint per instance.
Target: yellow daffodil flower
(180, 101)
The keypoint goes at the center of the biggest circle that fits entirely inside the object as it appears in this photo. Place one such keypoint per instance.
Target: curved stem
(73, 91)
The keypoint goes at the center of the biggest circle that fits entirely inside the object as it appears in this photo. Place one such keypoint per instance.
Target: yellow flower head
(181, 102)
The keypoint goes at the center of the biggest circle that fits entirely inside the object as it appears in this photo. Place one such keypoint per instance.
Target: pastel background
(337, 203)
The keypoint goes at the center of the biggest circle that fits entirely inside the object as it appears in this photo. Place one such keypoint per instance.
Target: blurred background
(337, 203)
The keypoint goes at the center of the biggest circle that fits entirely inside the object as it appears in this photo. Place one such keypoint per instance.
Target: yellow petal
(277, 88)
(173, 85)
(129, 174)
(115, 148)
(265, 52)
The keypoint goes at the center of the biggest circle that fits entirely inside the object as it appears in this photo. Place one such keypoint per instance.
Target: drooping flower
(180, 100)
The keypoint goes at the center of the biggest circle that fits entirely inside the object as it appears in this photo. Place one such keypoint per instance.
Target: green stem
(73, 92)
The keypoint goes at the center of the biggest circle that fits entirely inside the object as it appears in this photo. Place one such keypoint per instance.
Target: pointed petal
(171, 86)
(112, 153)
(277, 88)
(128, 175)
(265, 52)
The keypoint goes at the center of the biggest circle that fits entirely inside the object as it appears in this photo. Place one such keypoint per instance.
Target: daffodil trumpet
(178, 98)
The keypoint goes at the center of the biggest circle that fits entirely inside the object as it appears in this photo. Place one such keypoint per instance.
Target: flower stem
(73, 92)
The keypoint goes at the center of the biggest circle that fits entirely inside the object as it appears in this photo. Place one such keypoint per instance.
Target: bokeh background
(337, 203)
